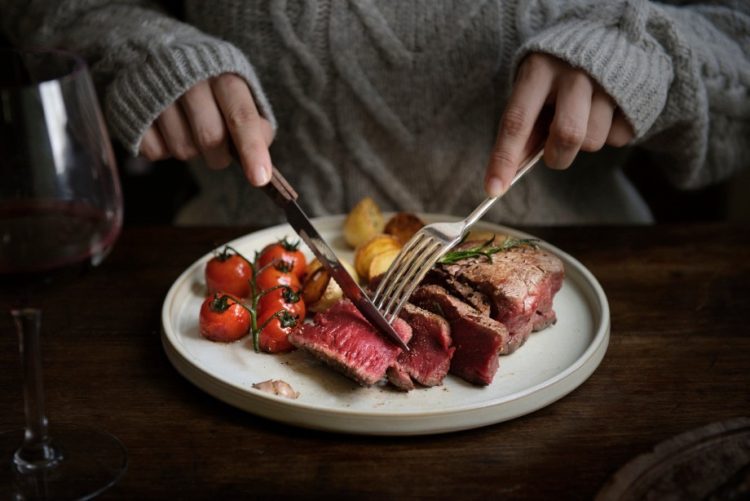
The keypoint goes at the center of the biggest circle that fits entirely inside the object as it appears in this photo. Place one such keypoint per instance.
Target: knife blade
(285, 197)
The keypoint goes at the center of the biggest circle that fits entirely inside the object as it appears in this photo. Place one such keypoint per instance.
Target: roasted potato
(315, 283)
(485, 236)
(366, 252)
(320, 291)
(403, 225)
(363, 222)
(381, 262)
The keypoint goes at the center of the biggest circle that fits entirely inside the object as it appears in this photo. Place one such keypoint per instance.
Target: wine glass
(60, 213)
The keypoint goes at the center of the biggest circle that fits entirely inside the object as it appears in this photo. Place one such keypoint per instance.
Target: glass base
(91, 462)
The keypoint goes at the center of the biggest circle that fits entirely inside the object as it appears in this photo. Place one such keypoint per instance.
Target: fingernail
(261, 175)
(495, 186)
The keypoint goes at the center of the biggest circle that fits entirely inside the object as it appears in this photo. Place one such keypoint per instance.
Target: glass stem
(37, 451)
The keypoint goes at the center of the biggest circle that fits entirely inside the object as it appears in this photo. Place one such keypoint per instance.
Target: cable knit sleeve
(680, 75)
(141, 58)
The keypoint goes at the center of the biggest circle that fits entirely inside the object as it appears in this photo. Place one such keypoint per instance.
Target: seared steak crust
(466, 293)
(520, 283)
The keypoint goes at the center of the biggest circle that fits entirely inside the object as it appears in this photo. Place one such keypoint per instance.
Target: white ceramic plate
(552, 363)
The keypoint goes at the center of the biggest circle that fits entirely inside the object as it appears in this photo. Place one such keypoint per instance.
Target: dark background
(154, 192)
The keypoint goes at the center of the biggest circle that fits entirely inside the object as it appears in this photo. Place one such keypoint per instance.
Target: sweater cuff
(631, 69)
(140, 93)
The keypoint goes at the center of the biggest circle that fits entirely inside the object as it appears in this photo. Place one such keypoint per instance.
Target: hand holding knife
(285, 197)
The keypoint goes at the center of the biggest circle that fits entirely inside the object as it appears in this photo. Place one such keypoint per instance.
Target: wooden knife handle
(279, 189)
(281, 184)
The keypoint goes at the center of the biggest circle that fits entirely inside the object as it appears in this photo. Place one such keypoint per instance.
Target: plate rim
(238, 396)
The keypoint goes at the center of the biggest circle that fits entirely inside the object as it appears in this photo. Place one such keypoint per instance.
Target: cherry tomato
(223, 319)
(276, 274)
(283, 298)
(286, 251)
(273, 337)
(230, 273)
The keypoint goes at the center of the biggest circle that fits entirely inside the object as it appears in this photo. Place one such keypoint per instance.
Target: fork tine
(396, 270)
(411, 279)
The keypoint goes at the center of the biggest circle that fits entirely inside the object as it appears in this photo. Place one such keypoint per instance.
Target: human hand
(212, 119)
(584, 118)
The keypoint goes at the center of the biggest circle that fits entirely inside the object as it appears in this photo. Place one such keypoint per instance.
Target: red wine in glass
(51, 242)
(60, 214)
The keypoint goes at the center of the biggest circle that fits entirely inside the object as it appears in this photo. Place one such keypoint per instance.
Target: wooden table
(679, 358)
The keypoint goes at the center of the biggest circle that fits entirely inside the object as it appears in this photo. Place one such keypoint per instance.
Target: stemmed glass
(60, 213)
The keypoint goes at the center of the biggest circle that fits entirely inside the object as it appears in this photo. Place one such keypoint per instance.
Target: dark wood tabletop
(678, 358)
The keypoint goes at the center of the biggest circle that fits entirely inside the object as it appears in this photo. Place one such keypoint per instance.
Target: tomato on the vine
(276, 274)
(228, 272)
(285, 251)
(273, 336)
(223, 318)
(283, 298)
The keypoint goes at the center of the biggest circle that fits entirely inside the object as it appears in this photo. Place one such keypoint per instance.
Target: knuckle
(209, 137)
(569, 134)
(240, 117)
(593, 143)
(501, 159)
(152, 152)
(222, 162)
(184, 151)
(514, 121)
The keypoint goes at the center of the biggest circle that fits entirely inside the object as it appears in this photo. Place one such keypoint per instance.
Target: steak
(429, 357)
(478, 339)
(520, 284)
(467, 294)
(342, 338)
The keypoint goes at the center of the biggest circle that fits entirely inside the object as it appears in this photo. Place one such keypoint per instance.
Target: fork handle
(488, 202)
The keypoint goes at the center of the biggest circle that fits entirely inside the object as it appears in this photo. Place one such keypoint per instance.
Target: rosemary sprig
(486, 249)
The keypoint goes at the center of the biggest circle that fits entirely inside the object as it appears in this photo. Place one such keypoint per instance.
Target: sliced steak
(429, 357)
(466, 293)
(399, 377)
(520, 283)
(478, 339)
(345, 340)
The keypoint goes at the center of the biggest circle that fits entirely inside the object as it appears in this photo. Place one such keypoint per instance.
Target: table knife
(285, 197)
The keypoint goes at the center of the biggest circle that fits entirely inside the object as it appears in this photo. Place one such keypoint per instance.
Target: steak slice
(520, 283)
(429, 357)
(478, 339)
(464, 292)
(342, 338)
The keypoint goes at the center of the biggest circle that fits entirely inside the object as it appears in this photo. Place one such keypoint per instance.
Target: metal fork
(424, 249)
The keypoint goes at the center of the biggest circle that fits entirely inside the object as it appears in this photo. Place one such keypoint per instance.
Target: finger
(245, 126)
(152, 145)
(266, 131)
(568, 129)
(621, 133)
(529, 94)
(207, 125)
(176, 132)
(599, 123)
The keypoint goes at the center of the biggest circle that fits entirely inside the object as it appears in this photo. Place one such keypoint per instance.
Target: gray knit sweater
(400, 99)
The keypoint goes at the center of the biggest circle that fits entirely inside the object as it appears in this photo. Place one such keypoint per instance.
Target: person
(425, 106)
